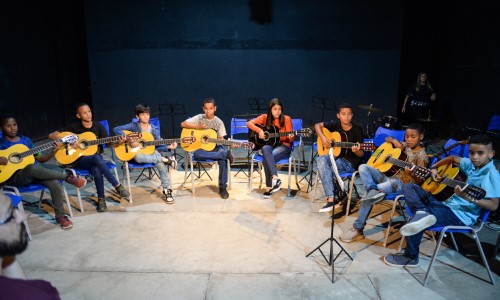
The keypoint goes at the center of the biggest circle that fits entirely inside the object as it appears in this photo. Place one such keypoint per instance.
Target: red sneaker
(64, 222)
(76, 181)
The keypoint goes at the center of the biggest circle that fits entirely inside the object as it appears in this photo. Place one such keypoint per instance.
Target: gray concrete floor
(245, 247)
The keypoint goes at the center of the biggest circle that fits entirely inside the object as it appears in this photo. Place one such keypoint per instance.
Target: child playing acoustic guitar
(36, 173)
(378, 185)
(461, 209)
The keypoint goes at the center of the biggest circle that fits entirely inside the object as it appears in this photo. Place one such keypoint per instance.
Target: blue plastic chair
(383, 132)
(471, 230)
(239, 128)
(192, 163)
(494, 124)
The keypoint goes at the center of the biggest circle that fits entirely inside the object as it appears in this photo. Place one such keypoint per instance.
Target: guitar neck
(453, 182)
(104, 140)
(280, 134)
(40, 148)
(401, 163)
(346, 144)
(162, 142)
(223, 142)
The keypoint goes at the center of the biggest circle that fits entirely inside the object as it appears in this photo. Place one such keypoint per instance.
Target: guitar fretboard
(104, 140)
(162, 142)
(40, 148)
(280, 134)
(223, 142)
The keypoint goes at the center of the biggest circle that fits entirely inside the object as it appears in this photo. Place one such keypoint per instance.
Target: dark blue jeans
(419, 199)
(97, 167)
(220, 155)
(271, 156)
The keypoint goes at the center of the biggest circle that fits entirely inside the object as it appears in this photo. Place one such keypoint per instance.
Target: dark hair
(270, 118)
(142, 108)
(417, 127)
(208, 100)
(80, 104)
(344, 105)
(481, 139)
(427, 83)
(4, 119)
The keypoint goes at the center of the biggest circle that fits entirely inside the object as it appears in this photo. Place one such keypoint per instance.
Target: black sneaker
(122, 191)
(101, 205)
(328, 207)
(267, 194)
(223, 193)
(276, 185)
(167, 195)
(172, 162)
(230, 156)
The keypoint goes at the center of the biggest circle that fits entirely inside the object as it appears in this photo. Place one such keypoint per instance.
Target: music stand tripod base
(331, 239)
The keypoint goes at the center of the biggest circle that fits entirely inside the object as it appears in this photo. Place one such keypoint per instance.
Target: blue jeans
(326, 175)
(37, 174)
(97, 167)
(220, 155)
(271, 156)
(157, 160)
(419, 199)
(374, 179)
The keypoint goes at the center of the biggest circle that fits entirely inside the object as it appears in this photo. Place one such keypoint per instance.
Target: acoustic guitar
(338, 142)
(147, 144)
(19, 156)
(206, 139)
(86, 145)
(385, 159)
(272, 135)
(452, 176)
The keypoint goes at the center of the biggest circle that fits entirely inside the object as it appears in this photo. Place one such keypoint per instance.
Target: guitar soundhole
(204, 139)
(141, 144)
(15, 158)
(83, 145)
(266, 136)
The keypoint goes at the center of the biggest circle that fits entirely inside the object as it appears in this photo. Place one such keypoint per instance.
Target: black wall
(182, 53)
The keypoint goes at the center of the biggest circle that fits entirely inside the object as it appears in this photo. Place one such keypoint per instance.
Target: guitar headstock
(367, 146)
(305, 132)
(247, 145)
(188, 140)
(421, 173)
(475, 192)
(70, 139)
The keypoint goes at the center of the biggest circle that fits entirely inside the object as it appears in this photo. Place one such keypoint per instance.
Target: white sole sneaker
(415, 227)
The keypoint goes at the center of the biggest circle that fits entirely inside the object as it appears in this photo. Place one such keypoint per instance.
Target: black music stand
(320, 102)
(257, 104)
(331, 260)
(172, 109)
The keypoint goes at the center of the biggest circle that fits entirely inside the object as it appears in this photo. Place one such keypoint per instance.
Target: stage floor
(244, 247)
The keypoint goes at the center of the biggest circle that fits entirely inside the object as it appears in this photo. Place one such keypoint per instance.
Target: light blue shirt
(486, 178)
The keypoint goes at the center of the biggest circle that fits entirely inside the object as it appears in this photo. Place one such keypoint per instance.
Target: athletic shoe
(351, 235)
(328, 207)
(399, 260)
(167, 195)
(276, 185)
(76, 181)
(64, 222)
(420, 221)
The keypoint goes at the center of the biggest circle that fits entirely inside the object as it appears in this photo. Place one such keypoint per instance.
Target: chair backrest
(238, 126)
(383, 132)
(458, 149)
(494, 123)
(297, 125)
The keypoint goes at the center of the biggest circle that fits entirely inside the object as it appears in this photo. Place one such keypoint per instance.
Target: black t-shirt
(422, 97)
(97, 129)
(12, 288)
(354, 135)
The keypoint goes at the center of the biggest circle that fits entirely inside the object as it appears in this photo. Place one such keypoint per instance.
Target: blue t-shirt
(486, 178)
(4, 143)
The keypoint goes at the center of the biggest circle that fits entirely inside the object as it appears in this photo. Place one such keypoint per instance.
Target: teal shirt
(486, 178)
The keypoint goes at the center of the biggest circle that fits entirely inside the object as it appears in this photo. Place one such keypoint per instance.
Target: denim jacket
(136, 127)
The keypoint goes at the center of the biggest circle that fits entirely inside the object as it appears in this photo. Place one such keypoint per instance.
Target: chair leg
(351, 189)
(67, 202)
(485, 261)
(79, 199)
(126, 176)
(289, 192)
(396, 202)
(436, 249)
(230, 183)
(42, 192)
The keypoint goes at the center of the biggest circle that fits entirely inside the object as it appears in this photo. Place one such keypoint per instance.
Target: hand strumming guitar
(3, 161)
